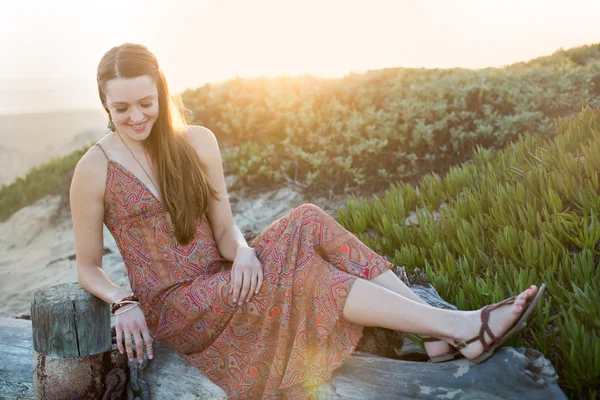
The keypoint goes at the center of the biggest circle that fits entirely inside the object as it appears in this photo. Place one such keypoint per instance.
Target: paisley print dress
(288, 338)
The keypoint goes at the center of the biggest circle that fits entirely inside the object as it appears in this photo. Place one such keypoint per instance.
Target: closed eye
(125, 109)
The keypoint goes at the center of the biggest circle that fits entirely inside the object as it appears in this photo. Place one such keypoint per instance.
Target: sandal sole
(444, 357)
(518, 325)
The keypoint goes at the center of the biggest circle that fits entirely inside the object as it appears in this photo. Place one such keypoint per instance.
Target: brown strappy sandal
(451, 355)
(488, 348)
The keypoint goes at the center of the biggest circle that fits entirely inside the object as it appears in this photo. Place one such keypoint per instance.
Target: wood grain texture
(69, 322)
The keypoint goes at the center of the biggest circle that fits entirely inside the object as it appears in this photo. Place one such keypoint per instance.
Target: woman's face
(133, 105)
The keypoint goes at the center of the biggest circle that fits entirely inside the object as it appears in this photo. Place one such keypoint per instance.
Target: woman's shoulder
(198, 134)
(90, 171)
(95, 158)
(202, 139)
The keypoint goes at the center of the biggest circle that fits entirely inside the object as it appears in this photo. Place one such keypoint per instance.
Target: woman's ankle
(462, 326)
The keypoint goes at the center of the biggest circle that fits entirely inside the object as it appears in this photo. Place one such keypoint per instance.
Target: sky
(51, 49)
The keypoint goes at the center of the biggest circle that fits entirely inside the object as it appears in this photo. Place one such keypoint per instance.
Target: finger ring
(129, 351)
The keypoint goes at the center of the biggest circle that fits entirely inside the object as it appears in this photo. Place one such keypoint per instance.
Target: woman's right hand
(133, 322)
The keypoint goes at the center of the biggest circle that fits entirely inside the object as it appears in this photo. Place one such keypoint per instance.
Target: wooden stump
(71, 343)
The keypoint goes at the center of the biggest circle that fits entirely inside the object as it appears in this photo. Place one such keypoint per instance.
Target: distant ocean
(18, 96)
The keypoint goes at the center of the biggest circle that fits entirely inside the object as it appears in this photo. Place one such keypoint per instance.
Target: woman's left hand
(246, 275)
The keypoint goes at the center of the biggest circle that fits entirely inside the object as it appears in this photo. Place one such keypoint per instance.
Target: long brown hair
(183, 183)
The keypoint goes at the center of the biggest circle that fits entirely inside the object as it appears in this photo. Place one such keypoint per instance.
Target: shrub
(366, 131)
(47, 178)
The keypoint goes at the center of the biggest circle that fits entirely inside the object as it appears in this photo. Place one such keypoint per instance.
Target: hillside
(28, 140)
(363, 132)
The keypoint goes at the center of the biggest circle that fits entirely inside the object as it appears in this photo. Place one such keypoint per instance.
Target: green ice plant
(526, 214)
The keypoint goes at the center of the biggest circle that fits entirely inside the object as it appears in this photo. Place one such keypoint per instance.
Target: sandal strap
(485, 317)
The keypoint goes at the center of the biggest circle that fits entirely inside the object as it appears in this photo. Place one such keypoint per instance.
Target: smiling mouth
(138, 126)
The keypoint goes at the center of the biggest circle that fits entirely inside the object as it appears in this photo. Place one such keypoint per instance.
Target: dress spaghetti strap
(102, 148)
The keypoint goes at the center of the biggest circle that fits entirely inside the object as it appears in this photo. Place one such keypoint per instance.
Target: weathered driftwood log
(71, 343)
(15, 362)
(509, 374)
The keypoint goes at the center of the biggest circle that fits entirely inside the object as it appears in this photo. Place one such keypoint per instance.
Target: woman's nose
(137, 115)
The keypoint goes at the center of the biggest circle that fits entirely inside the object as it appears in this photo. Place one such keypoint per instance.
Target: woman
(261, 320)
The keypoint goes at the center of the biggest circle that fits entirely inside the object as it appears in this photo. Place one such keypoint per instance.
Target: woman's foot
(500, 320)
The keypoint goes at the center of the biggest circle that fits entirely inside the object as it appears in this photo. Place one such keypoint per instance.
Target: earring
(111, 125)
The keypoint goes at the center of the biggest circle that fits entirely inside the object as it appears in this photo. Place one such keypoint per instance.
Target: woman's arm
(246, 271)
(227, 235)
(87, 211)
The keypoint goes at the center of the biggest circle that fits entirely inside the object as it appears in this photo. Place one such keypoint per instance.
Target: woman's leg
(390, 281)
(347, 253)
(369, 304)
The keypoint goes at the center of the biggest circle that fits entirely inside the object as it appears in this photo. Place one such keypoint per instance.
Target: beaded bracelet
(118, 304)
(124, 303)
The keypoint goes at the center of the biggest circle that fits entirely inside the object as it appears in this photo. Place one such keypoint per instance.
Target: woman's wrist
(118, 294)
(124, 301)
(123, 309)
(244, 249)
